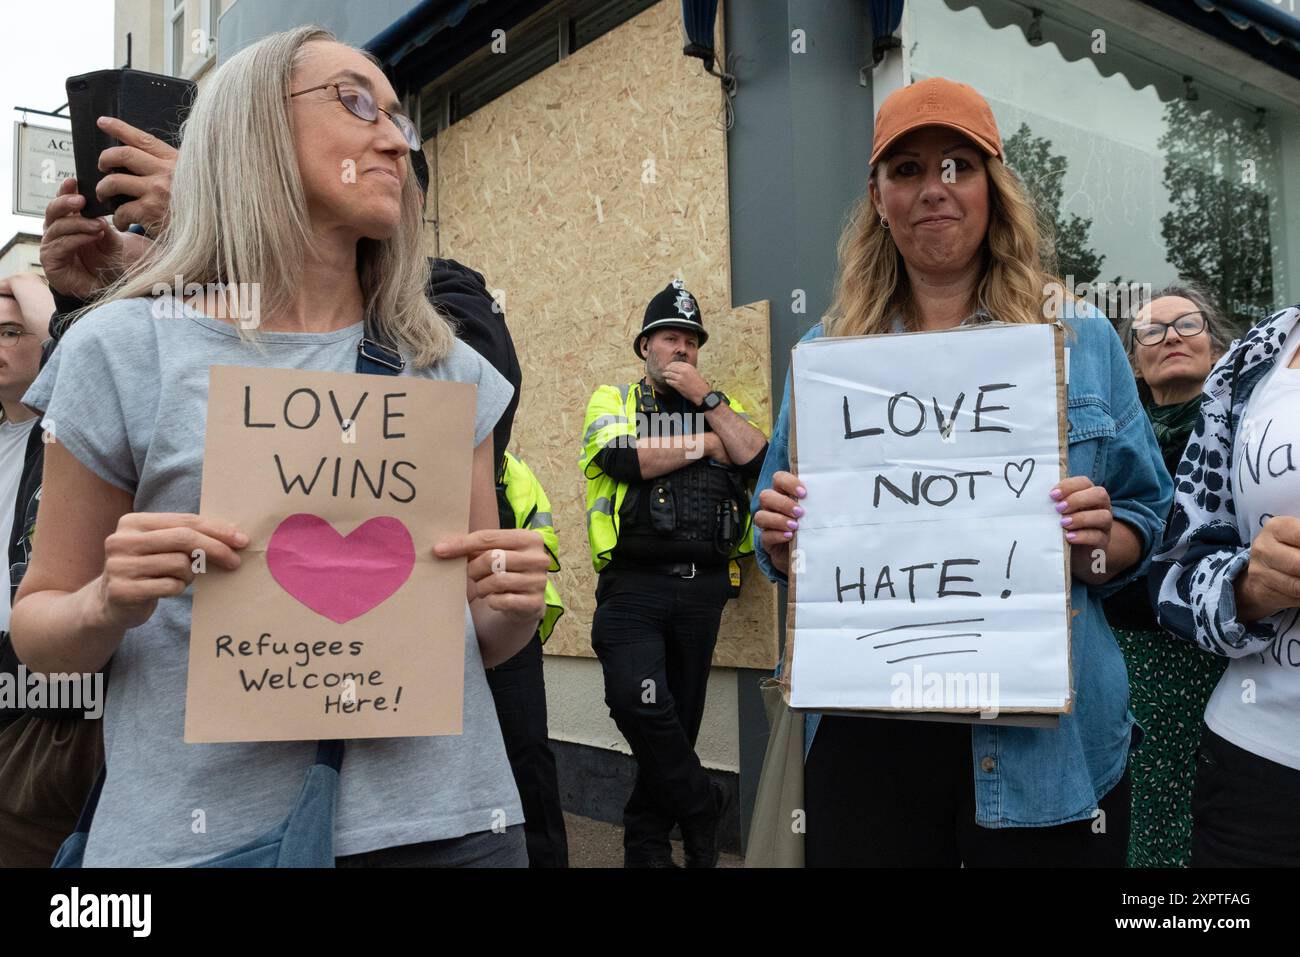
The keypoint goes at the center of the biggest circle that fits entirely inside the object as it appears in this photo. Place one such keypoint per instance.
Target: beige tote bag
(776, 832)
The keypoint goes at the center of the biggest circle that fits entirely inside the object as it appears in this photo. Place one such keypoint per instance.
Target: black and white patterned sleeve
(1193, 575)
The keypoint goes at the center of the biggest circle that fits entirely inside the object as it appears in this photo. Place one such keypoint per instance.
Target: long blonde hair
(872, 286)
(238, 214)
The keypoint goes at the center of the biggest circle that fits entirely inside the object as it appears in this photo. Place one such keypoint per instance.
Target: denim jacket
(1035, 777)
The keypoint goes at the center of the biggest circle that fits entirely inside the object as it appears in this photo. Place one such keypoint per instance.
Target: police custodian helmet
(673, 308)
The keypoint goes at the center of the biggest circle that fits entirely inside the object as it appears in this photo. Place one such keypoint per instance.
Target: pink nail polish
(1056, 493)
(798, 512)
(786, 534)
(1070, 536)
(791, 524)
(1062, 506)
(1067, 522)
(803, 492)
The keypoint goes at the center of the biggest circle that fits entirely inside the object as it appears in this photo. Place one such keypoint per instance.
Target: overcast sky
(41, 45)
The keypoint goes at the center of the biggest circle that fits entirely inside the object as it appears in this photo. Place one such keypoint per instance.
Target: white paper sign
(42, 160)
(929, 570)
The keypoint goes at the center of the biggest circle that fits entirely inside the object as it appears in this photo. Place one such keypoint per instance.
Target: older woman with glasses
(1172, 343)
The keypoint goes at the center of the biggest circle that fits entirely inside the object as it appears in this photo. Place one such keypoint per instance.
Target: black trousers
(1245, 809)
(480, 849)
(893, 793)
(519, 691)
(654, 635)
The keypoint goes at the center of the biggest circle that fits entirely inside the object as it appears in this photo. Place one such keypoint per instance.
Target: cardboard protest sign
(340, 622)
(930, 572)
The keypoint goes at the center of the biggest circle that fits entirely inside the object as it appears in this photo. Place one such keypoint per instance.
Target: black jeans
(480, 849)
(893, 793)
(519, 691)
(654, 635)
(1245, 809)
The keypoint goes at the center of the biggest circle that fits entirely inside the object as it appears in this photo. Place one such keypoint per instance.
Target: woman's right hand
(778, 517)
(152, 555)
(146, 164)
(1271, 581)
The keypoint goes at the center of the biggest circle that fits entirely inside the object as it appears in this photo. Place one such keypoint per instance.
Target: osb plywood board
(747, 638)
(579, 195)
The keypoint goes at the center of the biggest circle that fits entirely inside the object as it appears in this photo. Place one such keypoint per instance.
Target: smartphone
(148, 101)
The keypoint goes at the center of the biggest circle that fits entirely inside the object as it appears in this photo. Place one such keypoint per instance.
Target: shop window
(526, 56)
(594, 20)
(1150, 165)
(539, 42)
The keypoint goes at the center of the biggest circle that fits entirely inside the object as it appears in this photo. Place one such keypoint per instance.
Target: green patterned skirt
(1170, 681)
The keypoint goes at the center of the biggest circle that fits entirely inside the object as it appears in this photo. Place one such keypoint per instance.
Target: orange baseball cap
(936, 102)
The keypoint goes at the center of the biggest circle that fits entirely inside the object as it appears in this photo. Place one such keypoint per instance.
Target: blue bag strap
(377, 356)
(92, 801)
(330, 754)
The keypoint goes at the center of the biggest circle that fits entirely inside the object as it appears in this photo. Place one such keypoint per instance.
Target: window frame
(209, 12)
(172, 11)
(438, 98)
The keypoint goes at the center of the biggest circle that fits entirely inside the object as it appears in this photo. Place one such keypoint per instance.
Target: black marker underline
(923, 624)
(905, 641)
(934, 654)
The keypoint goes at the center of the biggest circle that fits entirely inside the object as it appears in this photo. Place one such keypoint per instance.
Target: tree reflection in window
(1216, 170)
(1043, 173)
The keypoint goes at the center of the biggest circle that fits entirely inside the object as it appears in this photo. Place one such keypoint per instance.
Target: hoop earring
(884, 223)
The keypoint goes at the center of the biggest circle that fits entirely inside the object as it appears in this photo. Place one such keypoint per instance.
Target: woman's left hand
(505, 567)
(1085, 512)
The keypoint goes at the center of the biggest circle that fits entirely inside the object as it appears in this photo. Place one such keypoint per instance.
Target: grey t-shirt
(127, 395)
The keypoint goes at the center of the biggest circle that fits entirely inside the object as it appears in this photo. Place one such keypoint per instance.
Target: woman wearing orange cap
(946, 237)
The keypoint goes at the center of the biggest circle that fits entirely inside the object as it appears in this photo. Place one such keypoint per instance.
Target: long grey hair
(238, 215)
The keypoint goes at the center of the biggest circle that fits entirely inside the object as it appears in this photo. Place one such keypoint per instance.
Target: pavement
(595, 843)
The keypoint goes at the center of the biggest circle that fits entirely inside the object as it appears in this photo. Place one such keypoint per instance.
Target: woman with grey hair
(1172, 341)
(1172, 366)
(293, 179)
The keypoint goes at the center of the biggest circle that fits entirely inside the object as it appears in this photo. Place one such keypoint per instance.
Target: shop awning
(886, 15)
(1270, 36)
(417, 27)
(1272, 21)
(1269, 32)
(698, 17)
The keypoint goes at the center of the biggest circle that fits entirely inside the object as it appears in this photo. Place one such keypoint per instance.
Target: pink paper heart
(340, 578)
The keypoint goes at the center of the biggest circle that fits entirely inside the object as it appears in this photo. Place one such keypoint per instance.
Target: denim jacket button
(987, 764)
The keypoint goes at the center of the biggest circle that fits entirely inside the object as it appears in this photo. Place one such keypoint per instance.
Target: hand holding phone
(81, 256)
(143, 103)
(147, 162)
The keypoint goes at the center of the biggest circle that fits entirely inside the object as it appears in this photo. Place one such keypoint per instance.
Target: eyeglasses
(9, 336)
(362, 105)
(1153, 333)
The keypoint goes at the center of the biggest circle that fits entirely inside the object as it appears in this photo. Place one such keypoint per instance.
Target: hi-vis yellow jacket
(611, 415)
(532, 510)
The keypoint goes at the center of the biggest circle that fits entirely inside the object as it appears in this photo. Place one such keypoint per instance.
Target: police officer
(668, 461)
(519, 687)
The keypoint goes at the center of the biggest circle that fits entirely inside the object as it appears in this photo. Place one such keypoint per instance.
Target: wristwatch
(712, 400)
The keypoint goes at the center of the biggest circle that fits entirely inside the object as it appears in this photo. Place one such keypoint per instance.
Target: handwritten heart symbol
(340, 578)
(1019, 468)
